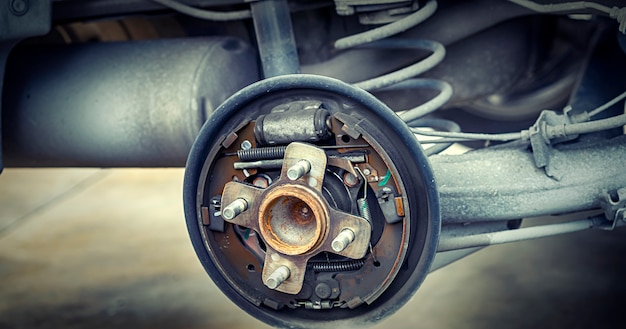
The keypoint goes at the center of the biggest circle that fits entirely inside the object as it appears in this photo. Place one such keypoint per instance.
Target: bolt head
(246, 145)
(18, 7)
(350, 180)
(261, 182)
(323, 290)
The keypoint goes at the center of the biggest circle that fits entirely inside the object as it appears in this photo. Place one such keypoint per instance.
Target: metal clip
(615, 210)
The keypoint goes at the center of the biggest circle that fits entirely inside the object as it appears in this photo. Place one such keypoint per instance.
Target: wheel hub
(294, 220)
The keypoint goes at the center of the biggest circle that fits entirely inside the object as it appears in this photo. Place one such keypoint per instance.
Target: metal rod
(260, 164)
(274, 34)
(487, 239)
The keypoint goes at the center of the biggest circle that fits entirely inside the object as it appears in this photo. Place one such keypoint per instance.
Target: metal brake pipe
(562, 7)
(585, 127)
(445, 140)
(487, 239)
(448, 125)
(551, 131)
(608, 104)
(437, 123)
(618, 13)
(470, 136)
(204, 14)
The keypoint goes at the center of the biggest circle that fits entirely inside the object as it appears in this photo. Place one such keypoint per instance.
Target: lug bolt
(234, 209)
(277, 277)
(298, 170)
(343, 239)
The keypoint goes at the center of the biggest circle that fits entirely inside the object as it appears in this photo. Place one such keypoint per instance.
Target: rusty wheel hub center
(292, 219)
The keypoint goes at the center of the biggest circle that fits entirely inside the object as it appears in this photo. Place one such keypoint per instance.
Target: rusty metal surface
(381, 262)
(294, 219)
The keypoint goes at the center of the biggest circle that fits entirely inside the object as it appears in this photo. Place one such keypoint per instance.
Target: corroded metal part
(297, 263)
(294, 220)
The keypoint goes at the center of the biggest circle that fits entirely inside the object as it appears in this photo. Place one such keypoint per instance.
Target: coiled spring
(404, 77)
(363, 205)
(364, 209)
(262, 153)
(343, 266)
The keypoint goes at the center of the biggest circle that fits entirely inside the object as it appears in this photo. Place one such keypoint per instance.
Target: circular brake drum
(311, 204)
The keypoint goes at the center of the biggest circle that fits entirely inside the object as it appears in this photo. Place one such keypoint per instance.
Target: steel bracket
(614, 206)
(541, 141)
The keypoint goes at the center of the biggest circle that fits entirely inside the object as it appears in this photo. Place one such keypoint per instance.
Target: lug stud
(299, 169)
(234, 209)
(277, 277)
(343, 239)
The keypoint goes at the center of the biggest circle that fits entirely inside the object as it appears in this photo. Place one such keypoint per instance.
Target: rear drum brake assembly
(311, 204)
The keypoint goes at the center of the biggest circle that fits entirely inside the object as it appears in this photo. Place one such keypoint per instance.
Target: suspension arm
(502, 183)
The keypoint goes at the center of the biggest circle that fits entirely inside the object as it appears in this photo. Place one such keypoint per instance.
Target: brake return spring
(262, 153)
(342, 266)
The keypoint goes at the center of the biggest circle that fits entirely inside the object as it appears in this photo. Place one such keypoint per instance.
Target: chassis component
(137, 103)
(343, 224)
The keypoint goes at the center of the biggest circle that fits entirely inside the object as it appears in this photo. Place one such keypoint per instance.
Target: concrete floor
(93, 248)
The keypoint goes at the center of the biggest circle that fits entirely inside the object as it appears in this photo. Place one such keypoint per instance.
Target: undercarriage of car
(335, 152)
